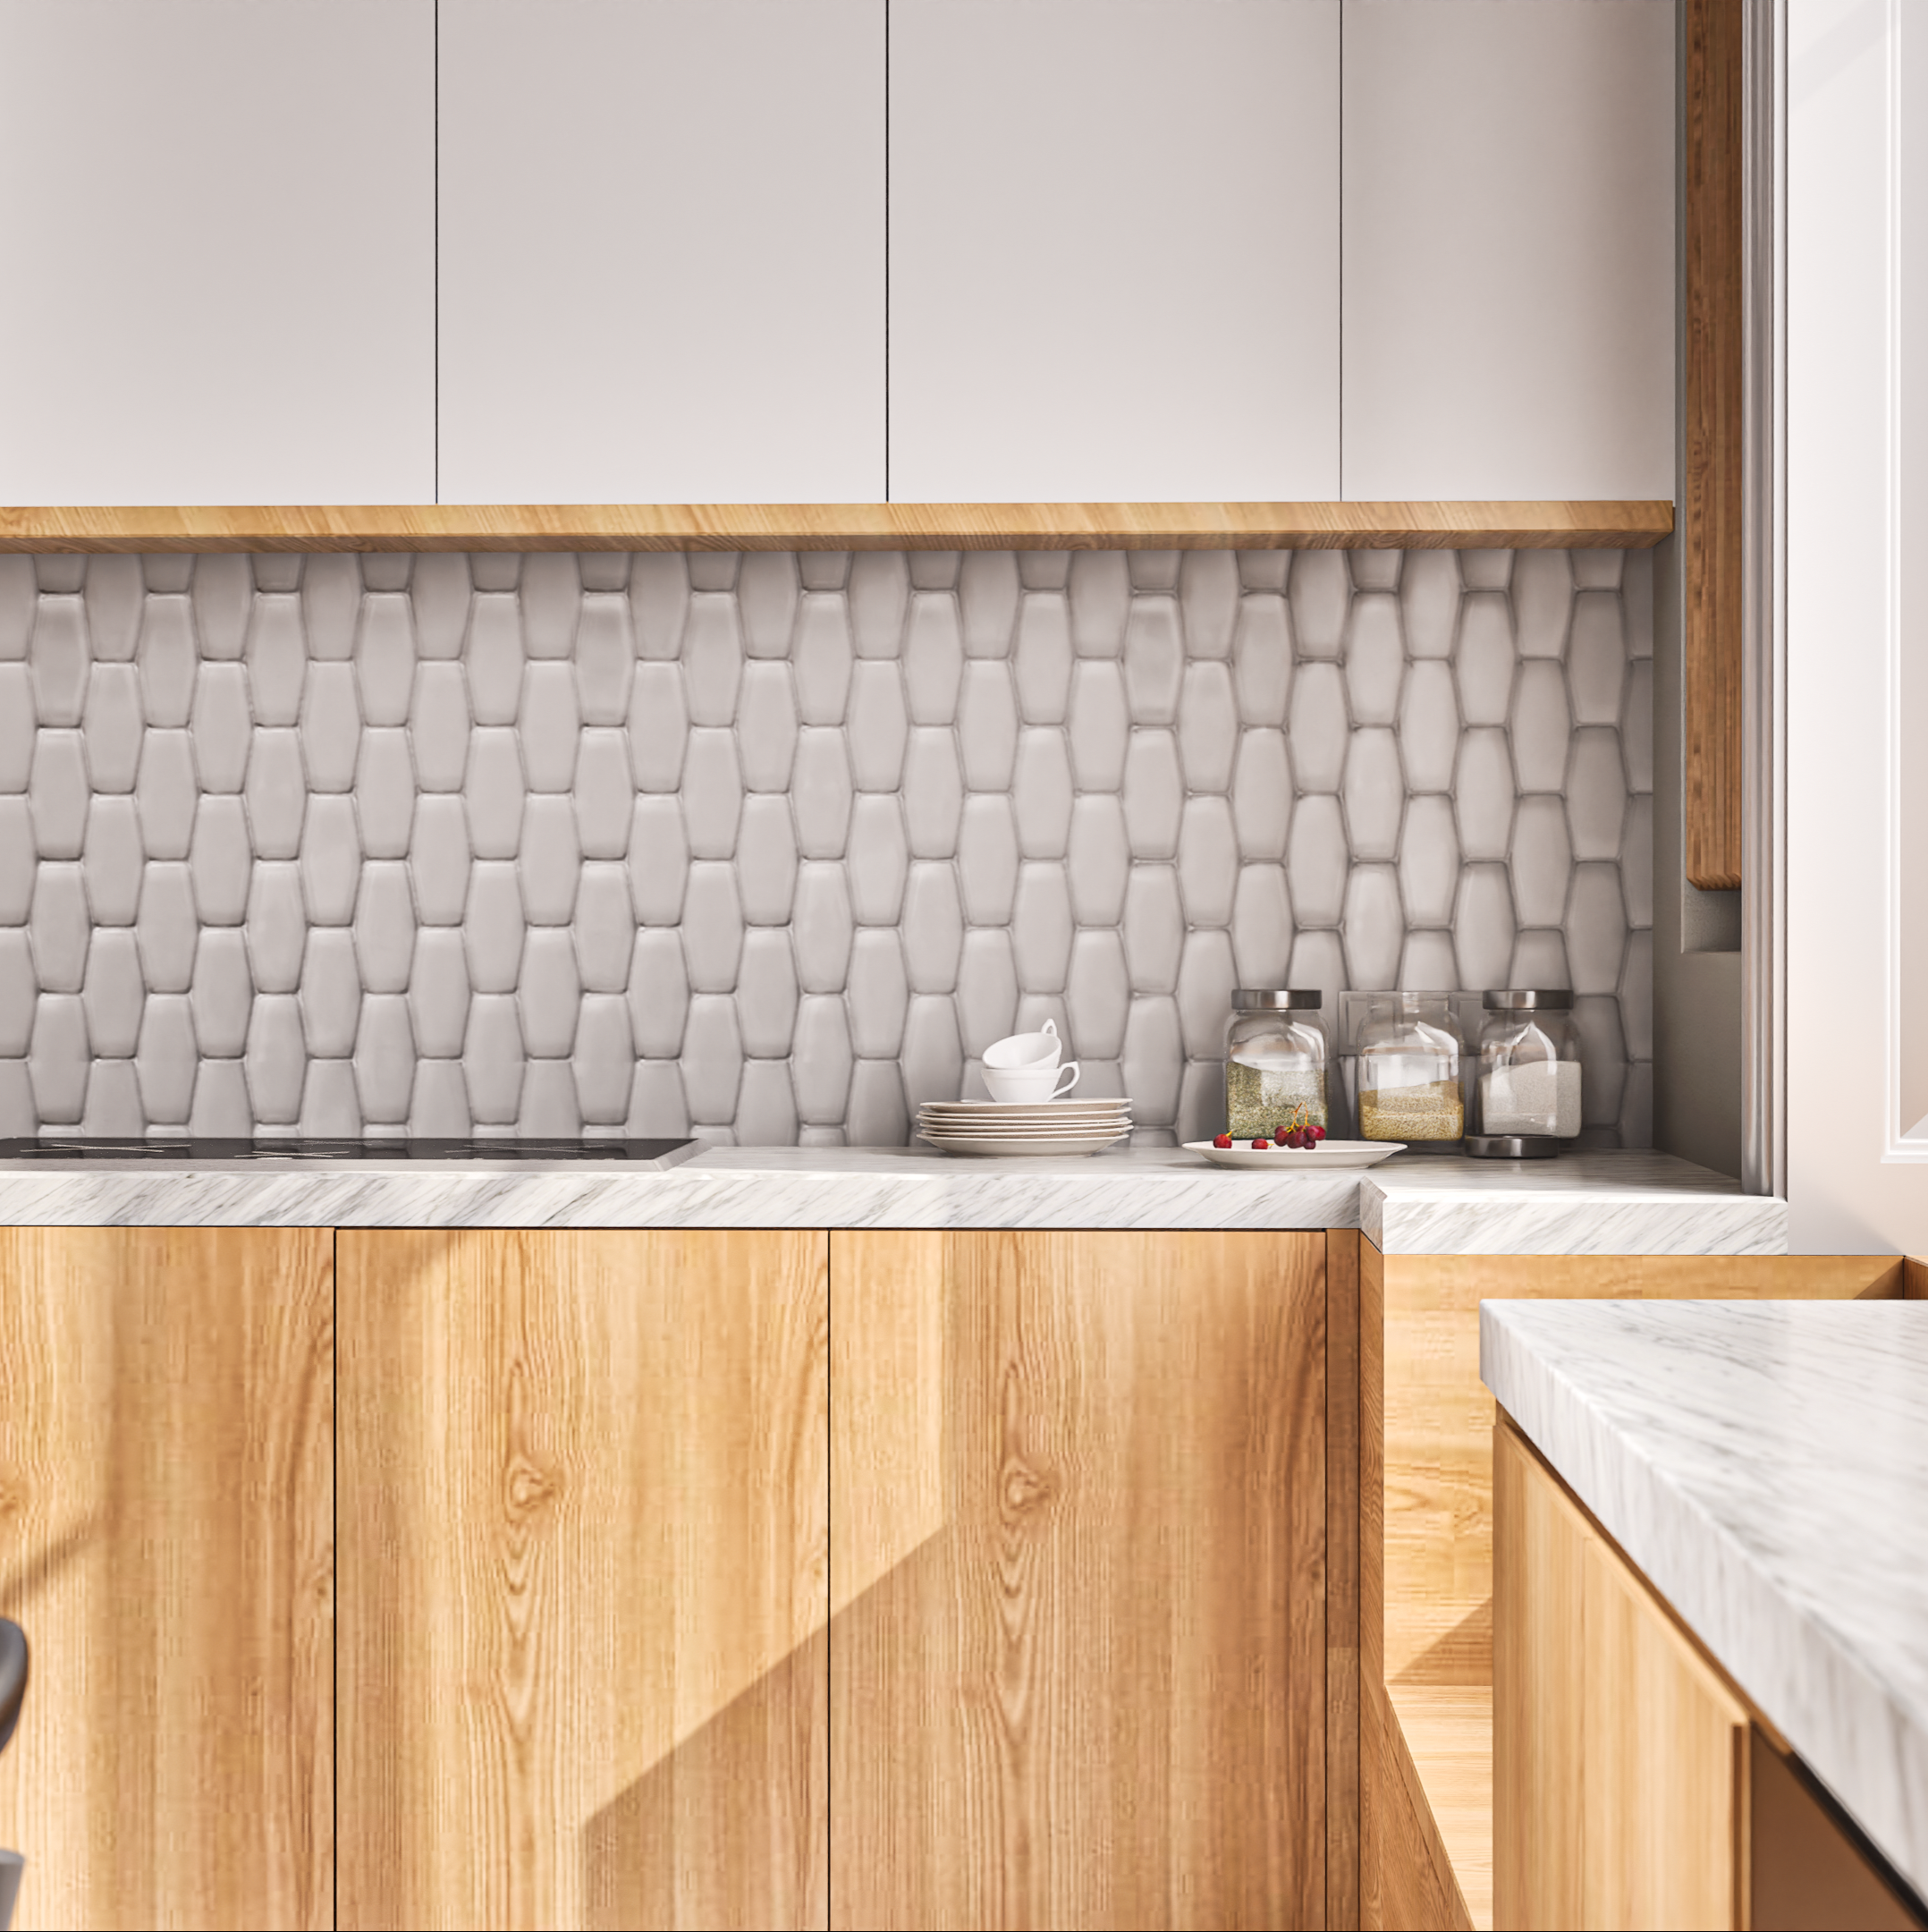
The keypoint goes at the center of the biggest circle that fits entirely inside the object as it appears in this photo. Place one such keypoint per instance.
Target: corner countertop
(1600, 1203)
(1766, 1465)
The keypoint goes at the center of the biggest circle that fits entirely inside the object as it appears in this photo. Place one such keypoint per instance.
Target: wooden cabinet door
(661, 242)
(220, 267)
(1509, 249)
(1666, 1766)
(1114, 250)
(166, 1520)
(583, 1579)
(1539, 1691)
(1620, 1755)
(1078, 1579)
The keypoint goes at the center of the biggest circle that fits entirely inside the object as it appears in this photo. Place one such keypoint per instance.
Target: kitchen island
(1764, 1467)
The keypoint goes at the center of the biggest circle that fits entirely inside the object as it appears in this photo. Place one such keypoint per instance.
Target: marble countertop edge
(1632, 1203)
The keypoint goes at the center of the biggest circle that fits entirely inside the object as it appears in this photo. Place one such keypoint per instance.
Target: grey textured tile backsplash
(773, 845)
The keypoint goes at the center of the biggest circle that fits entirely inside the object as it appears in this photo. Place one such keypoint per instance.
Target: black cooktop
(387, 1153)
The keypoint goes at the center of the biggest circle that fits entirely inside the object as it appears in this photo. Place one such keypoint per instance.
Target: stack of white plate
(1024, 1127)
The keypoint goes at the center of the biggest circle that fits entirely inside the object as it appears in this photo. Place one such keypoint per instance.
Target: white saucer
(1008, 1109)
(1327, 1154)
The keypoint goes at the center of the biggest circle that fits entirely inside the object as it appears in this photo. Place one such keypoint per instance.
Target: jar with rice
(1409, 1053)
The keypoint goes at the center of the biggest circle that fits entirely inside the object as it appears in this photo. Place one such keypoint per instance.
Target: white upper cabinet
(1510, 248)
(662, 251)
(1115, 250)
(218, 280)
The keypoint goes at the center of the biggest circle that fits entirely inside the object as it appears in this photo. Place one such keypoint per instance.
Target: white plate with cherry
(1268, 1152)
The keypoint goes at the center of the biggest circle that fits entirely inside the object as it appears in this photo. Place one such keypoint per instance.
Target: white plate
(1327, 1154)
(989, 1144)
(1109, 1131)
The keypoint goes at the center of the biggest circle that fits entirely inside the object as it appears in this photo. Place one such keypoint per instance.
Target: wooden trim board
(1342, 1579)
(1711, 468)
(1142, 526)
(1425, 1509)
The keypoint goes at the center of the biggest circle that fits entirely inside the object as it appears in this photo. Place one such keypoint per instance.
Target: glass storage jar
(1409, 1051)
(1275, 1061)
(1528, 1097)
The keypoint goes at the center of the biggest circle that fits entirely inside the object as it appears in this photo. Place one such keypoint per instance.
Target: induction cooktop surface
(494, 1153)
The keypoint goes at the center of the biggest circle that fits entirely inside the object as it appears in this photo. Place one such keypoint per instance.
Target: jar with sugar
(1528, 1092)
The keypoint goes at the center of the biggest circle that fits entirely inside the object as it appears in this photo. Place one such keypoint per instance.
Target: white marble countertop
(1608, 1203)
(1766, 1465)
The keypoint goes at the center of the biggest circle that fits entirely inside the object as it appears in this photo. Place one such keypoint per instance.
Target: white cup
(1030, 1084)
(1016, 1051)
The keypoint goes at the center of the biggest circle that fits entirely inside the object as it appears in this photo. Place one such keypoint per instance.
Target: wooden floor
(1448, 1735)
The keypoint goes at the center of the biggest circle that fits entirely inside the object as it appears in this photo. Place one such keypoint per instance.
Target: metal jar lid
(1260, 999)
(1523, 999)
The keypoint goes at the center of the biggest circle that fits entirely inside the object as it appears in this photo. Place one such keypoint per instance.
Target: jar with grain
(1528, 1095)
(1410, 1052)
(1275, 1061)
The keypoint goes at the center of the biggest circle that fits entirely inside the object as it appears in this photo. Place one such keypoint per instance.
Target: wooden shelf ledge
(1242, 526)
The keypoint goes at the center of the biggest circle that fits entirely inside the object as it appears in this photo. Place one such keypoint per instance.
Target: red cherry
(1295, 1138)
(1261, 1143)
(1222, 1140)
(1314, 1135)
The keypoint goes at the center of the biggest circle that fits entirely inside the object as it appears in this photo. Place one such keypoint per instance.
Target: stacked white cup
(1024, 1067)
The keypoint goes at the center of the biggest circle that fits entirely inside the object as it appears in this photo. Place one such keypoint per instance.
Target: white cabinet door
(1115, 250)
(217, 280)
(1510, 248)
(662, 251)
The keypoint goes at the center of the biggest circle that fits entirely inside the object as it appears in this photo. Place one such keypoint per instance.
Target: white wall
(1857, 580)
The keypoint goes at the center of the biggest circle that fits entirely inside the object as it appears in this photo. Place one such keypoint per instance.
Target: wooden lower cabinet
(583, 1587)
(1078, 1650)
(166, 1520)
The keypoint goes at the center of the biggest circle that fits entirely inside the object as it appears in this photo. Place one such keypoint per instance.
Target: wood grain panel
(1434, 1500)
(1091, 1692)
(1374, 1719)
(1342, 1579)
(584, 1496)
(1133, 526)
(1538, 1693)
(1711, 422)
(1666, 1767)
(1915, 1280)
(166, 1520)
